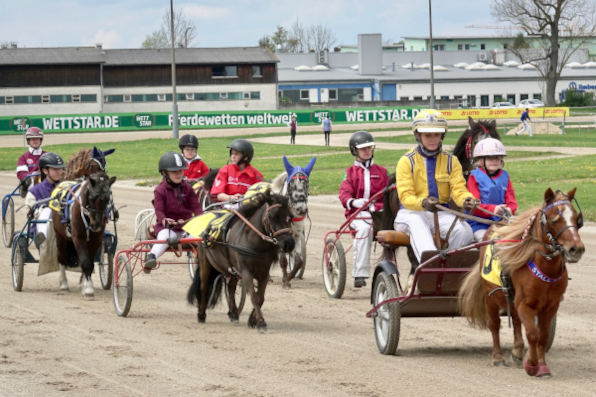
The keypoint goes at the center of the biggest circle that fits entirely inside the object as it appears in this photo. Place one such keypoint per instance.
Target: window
(211, 96)
(224, 71)
(9, 99)
(511, 99)
(333, 94)
(484, 100)
(76, 98)
(498, 98)
(60, 98)
(460, 47)
(246, 95)
(439, 47)
(146, 98)
(472, 101)
(190, 97)
(417, 98)
(280, 93)
(161, 97)
(467, 47)
(304, 95)
(45, 99)
(523, 96)
(256, 71)
(1, 100)
(89, 98)
(127, 98)
(349, 94)
(27, 99)
(255, 95)
(235, 95)
(538, 96)
(483, 46)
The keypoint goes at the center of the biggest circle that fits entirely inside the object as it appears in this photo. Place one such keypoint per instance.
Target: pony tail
(471, 299)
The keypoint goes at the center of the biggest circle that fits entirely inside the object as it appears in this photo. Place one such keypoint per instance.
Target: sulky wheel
(334, 273)
(106, 268)
(122, 290)
(552, 331)
(193, 264)
(7, 221)
(239, 295)
(303, 255)
(388, 318)
(18, 267)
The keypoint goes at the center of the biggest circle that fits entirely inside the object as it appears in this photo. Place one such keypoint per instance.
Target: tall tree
(301, 38)
(559, 28)
(185, 32)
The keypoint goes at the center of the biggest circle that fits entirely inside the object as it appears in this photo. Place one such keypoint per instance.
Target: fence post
(563, 124)
(504, 129)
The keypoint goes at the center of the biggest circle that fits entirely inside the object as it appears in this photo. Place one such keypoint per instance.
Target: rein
(266, 223)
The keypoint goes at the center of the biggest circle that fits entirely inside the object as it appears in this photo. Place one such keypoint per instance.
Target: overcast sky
(226, 23)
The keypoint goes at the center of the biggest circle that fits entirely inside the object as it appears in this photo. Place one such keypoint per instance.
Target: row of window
(201, 96)
(460, 47)
(21, 99)
(211, 96)
(485, 99)
(222, 72)
(335, 94)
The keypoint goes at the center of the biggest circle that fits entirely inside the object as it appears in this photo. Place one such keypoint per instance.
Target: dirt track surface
(53, 342)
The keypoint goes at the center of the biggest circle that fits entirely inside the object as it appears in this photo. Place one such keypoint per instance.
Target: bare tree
(185, 32)
(320, 38)
(559, 28)
(301, 38)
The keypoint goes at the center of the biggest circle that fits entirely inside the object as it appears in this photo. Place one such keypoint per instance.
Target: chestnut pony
(534, 275)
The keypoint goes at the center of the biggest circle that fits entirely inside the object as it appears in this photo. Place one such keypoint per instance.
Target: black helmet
(188, 140)
(243, 146)
(359, 140)
(51, 160)
(172, 161)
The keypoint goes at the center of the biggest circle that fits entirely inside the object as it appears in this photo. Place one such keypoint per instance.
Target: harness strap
(299, 219)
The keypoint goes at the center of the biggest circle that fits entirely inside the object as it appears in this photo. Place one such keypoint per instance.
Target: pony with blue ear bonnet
(294, 183)
(85, 163)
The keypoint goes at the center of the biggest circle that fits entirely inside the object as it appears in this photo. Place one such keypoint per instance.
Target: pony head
(291, 170)
(298, 186)
(100, 157)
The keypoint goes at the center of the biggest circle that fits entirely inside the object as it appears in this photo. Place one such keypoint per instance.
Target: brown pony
(535, 277)
(85, 162)
(78, 245)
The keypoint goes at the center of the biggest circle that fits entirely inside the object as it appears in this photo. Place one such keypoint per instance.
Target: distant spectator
(525, 117)
(327, 129)
(293, 124)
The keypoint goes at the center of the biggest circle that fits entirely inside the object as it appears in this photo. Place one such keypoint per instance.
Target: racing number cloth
(62, 196)
(491, 266)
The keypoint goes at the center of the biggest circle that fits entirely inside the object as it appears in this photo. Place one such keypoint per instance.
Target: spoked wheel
(106, 268)
(303, 255)
(388, 318)
(552, 331)
(239, 295)
(8, 221)
(18, 267)
(334, 273)
(193, 264)
(122, 290)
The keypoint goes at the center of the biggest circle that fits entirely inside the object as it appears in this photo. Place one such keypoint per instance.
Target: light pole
(432, 65)
(174, 98)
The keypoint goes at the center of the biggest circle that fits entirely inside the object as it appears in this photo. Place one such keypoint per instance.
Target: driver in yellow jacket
(426, 176)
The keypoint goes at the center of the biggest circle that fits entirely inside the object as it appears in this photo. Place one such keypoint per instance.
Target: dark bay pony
(78, 244)
(86, 162)
(246, 254)
(536, 273)
(463, 150)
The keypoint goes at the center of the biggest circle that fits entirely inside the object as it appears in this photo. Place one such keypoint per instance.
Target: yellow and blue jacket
(442, 177)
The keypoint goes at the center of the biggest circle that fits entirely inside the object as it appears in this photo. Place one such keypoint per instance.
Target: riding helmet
(188, 140)
(489, 147)
(429, 121)
(359, 140)
(243, 146)
(172, 161)
(34, 132)
(51, 160)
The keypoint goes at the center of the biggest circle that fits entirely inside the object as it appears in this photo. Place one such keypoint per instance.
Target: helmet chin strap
(430, 153)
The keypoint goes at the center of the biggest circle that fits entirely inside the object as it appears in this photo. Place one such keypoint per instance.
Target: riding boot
(359, 282)
(150, 263)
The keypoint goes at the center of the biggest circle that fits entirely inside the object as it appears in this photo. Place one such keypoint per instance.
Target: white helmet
(489, 147)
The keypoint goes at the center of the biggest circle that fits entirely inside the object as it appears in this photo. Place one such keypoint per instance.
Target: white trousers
(479, 234)
(524, 128)
(362, 243)
(420, 226)
(44, 215)
(164, 234)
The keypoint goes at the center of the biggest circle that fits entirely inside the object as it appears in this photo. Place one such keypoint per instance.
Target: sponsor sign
(459, 114)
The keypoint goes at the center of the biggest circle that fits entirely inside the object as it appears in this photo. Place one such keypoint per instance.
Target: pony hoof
(287, 286)
(500, 363)
(262, 329)
(531, 370)
(202, 318)
(234, 318)
(543, 372)
(516, 360)
(89, 297)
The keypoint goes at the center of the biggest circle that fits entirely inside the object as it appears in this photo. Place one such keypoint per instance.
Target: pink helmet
(489, 147)
(34, 132)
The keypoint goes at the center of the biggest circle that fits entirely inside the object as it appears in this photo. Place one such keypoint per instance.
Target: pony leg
(205, 272)
(233, 309)
(283, 263)
(494, 324)
(526, 315)
(517, 354)
(247, 279)
(297, 266)
(63, 280)
(261, 324)
(544, 320)
(87, 267)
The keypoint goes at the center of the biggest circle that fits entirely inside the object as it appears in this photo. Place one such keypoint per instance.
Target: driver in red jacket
(28, 162)
(189, 144)
(363, 180)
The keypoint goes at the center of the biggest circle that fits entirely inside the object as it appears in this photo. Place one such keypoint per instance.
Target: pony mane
(210, 178)
(279, 182)
(514, 256)
(252, 206)
(75, 167)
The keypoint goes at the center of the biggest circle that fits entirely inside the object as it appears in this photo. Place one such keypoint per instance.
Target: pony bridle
(271, 233)
(555, 248)
(299, 176)
(469, 152)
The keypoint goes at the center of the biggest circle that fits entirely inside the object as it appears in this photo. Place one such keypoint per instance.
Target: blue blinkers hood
(291, 170)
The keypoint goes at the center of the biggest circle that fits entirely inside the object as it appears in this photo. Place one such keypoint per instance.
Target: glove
(430, 203)
(469, 204)
(167, 222)
(358, 203)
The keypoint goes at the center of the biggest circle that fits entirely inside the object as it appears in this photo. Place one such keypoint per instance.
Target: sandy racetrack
(53, 342)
